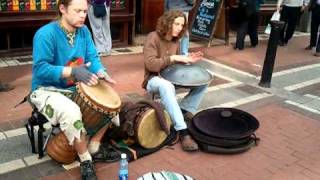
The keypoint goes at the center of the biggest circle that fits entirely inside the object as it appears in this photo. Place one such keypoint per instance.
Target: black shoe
(87, 170)
(308, 48)
(282, 43)
(235, 48)
(106, 155)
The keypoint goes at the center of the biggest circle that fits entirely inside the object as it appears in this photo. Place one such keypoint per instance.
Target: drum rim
(92, 102)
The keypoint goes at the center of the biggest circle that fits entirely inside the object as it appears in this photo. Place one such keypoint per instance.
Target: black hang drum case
(224, 130)
(228, 123)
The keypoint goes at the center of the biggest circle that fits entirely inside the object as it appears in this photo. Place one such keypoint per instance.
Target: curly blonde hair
(165, 22)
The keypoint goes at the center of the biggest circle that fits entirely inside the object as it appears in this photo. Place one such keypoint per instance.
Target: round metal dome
(186, 75)
(229, 123)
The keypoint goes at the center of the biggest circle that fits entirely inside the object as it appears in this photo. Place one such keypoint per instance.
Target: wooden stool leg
(40, 141)
(30, 131)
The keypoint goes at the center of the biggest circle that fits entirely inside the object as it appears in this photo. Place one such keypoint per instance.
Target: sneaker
(106, 154)
(87, 170)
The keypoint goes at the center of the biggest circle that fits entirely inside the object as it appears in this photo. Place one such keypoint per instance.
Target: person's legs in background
(293, 18)
(284, 18)
(241, 34)
(107, 32)
(97, 26)
(184, 42)
(314, 31)
(253, 29)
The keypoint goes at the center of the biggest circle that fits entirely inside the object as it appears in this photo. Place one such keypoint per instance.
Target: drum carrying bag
(136, 136)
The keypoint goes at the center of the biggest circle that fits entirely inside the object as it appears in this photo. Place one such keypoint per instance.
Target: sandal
(106, 155)
(188, 144)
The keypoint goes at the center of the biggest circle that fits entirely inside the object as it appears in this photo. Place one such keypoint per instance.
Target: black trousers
(248, 26)
(315, 23)
(290, 15)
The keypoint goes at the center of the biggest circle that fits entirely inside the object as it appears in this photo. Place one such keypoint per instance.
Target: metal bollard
(268, 64)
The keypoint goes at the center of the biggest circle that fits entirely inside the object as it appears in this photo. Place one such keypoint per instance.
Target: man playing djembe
(64, 53)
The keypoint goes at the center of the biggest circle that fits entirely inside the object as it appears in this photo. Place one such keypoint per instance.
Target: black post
(268, 64)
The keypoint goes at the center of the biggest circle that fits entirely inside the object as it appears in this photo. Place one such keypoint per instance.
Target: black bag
(99, 10)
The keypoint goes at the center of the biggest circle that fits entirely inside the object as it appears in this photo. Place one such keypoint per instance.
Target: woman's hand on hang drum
(195, 56)
(191, 58)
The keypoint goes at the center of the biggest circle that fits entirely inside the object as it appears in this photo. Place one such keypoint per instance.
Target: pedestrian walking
(290, 13)
(99, 19)
(250, 11)
(314, 8)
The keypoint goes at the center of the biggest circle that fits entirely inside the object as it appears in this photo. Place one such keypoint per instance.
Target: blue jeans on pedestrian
(167, 94)
(184, 41)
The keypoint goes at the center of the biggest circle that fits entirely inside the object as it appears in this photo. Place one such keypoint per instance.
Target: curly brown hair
(165, 22)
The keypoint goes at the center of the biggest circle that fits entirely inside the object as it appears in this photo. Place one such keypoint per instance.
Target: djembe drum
(58, 148)
(98, 105)
(147, 129)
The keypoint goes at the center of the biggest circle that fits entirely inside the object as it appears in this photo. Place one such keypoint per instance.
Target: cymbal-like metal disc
(186, 75)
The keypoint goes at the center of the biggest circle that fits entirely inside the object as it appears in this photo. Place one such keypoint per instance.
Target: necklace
(70, 35)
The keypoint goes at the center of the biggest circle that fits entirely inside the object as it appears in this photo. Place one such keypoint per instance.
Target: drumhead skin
(148, 131)
(102, 95)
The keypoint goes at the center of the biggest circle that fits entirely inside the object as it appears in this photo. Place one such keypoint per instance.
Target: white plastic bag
(275, 17)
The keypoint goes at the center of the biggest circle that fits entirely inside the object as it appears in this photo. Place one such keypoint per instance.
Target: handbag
(99, 10)
(275, 17)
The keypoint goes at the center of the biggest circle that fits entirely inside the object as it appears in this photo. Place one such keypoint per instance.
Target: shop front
(20, 19)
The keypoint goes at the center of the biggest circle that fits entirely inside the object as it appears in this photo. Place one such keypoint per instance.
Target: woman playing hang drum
(162, 49)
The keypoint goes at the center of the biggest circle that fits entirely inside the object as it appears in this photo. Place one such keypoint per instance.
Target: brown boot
(187, 116)
(188, 144)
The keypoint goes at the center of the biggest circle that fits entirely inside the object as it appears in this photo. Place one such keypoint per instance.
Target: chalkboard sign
(205, 18)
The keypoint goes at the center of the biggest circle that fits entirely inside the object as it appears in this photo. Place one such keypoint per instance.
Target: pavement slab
(289, 123)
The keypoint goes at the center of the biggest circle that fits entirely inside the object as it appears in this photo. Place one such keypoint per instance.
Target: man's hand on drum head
(102, 74)
(82, 74)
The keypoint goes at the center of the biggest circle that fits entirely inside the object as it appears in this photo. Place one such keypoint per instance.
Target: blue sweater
(52, 52)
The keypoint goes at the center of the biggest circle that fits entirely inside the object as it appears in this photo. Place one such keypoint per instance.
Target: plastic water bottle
(123, 170)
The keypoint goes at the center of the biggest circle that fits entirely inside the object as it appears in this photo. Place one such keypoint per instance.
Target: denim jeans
(167, 93)
(184, 41)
